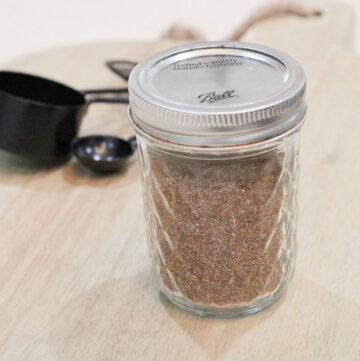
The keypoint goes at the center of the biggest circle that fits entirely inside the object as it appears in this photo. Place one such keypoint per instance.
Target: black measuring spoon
(103, 153)
(121, 67)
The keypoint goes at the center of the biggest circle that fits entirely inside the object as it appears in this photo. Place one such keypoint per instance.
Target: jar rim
(248, 147)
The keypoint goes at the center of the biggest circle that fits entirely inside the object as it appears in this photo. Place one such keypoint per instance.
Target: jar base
(228, 312)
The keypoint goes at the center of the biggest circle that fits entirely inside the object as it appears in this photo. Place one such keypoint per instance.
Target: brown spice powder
(221, 231)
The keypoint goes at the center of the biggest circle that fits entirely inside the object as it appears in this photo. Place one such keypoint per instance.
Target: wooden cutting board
(76, 281)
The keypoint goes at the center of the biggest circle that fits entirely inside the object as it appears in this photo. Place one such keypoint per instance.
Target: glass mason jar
(217, 126)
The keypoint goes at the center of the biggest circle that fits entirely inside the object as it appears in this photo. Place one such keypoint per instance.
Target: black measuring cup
(40, 117)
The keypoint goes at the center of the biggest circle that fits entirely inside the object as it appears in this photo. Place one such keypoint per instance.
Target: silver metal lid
(217, 94)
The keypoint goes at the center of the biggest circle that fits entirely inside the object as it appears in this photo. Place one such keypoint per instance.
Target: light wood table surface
(76, 281)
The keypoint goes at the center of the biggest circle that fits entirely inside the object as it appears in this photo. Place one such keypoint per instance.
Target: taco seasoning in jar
(217, 126)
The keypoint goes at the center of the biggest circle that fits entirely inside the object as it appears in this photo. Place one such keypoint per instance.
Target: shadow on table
(16, 170)
(215, 336)
(125, 320)
(11, 164)
(76, 174)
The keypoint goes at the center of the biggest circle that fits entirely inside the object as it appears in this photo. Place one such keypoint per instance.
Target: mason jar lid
(217, 94)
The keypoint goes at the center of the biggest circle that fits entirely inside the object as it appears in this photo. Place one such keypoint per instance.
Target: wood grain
(76, 281)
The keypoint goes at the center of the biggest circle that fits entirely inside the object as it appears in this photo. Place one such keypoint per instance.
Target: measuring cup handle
(90, 100)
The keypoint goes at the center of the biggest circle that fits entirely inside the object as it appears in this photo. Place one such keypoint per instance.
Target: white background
(28, 26)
